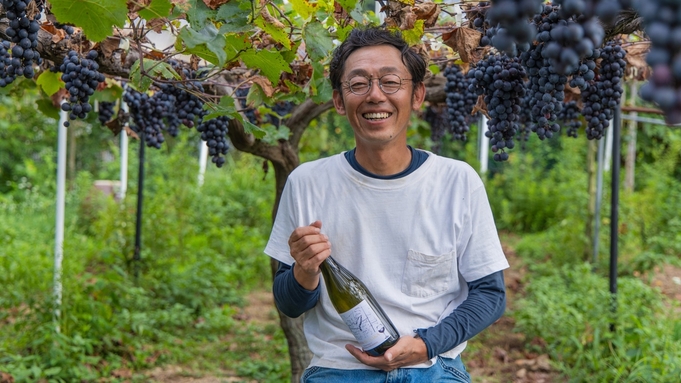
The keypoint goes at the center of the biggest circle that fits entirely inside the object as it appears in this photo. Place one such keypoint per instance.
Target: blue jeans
(444, 370)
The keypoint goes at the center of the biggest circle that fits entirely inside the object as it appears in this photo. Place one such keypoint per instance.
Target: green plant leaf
(235, 17)
(46, 107)
(198, 13)
(303, 8)
(235, 43)
(96, 17)
(271, 63)
(413, 36)
(321, 86)
(210, 37)
(318, 41)
(50, 82)
(274, 134)
(154, 69)
(348, 5)
(52, 371)
(255, 130)
(256, 96)
(111, 93)
(226, 107)
(157, 9)
(279, 35)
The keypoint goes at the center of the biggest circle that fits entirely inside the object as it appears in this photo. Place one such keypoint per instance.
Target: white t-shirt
(414, 241)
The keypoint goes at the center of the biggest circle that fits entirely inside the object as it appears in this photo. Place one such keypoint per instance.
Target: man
(416, 228)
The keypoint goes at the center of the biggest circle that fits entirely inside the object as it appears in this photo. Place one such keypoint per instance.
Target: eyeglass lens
(389, 83)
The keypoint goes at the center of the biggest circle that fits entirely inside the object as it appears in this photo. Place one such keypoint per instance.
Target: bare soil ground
(501, 354)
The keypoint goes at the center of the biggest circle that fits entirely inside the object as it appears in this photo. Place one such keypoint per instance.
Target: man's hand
(309, 248)
(408, 351)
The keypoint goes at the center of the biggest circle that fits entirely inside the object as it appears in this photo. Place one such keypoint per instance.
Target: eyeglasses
(388, 83)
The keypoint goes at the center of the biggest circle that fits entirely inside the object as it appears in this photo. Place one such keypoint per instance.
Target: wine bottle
(358, 308)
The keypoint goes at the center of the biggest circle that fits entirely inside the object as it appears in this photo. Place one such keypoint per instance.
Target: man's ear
(338, 102)
(419, 96)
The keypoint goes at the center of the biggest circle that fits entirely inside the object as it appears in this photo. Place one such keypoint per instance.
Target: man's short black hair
(366, 37)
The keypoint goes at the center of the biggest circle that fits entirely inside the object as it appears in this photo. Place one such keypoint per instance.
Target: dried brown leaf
(637, 68)
(480, 106)
(433, 18)
(427, 11)
(130, 132)
(478, 54)
(270, 19)
(114, 126)
(154, 55)
(182, 4)
(194, 62)
(156, 25)
(572, 94)
(6, 377)
(214, 4)
(463, 40)
(109, 45)
(264, 84)
(58, 97)
(408, 19)
(424, 10)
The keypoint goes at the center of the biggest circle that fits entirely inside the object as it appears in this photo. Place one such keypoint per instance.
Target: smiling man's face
(378, 119)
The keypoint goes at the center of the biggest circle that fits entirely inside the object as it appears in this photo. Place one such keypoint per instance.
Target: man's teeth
(376, 116)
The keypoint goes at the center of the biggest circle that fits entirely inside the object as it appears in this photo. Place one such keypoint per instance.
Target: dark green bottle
(358, 309)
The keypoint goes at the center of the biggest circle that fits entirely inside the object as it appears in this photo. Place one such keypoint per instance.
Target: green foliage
(201, 252)
(571, 310)
(96, 17)
(541, 186)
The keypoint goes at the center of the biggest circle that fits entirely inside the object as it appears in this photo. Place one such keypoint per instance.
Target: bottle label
(365, 325)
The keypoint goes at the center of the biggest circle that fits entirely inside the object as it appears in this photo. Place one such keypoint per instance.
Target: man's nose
(375, 91)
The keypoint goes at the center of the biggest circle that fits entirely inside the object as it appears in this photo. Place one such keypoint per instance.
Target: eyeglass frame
(371, 83)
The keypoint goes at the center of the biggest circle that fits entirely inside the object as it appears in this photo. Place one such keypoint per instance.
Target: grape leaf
(253, 129)
(50, 82)
(112, 93)
(348, 5)
(226, 107)
(215, 42)
(96, 17)
(270, 63)
(320, 84)
(303, 8)
(318, 41)
(278, 34)
(46, 107)
(198, 13)
(272, 134)
(234, 15)
(153, 69)
(157, 9)
(235, 44)
(413, 36)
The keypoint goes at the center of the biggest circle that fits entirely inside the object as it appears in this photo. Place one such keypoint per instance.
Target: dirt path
(500, 354)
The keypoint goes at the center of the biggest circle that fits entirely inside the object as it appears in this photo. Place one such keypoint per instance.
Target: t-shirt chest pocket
(425, 275)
